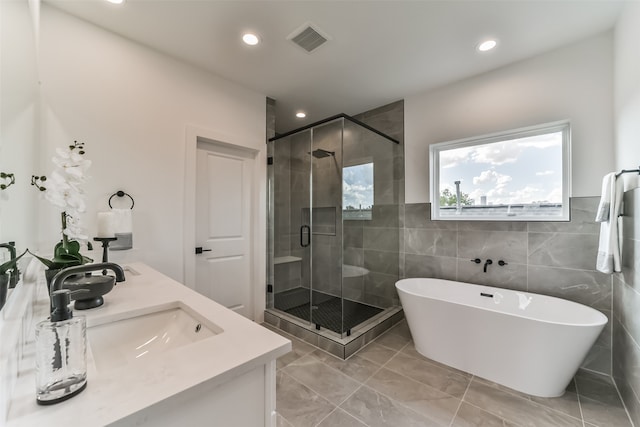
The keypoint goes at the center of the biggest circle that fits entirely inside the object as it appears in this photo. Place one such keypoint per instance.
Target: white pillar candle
(106, 226)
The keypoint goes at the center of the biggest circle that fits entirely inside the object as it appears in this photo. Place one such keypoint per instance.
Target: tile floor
(388, 383)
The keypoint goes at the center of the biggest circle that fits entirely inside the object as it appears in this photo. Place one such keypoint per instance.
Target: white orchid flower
(64, 188)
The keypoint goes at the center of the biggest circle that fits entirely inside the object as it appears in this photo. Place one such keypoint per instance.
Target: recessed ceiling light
(301, 114)
(116, 1)
(487, 45)
(250, 39)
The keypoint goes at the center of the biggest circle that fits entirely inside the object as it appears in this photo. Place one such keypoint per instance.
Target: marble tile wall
(626, 310)
(326, 193)
(376, 244)
(550, 258)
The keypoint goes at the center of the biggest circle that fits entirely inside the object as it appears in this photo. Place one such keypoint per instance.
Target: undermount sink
(146, 336)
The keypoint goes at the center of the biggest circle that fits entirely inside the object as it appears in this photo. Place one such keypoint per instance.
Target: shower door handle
(302, 230)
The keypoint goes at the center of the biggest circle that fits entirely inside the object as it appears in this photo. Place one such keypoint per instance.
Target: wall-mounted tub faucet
(487, 263)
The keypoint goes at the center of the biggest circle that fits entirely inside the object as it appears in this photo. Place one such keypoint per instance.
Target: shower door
(305, 245)
(289, 174)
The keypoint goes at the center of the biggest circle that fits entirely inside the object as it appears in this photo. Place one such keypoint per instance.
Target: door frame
(258, 214)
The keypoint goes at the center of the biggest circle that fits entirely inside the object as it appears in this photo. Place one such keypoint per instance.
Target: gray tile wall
(327, 201)
(626, 309)
(550, 258)
(376, 244)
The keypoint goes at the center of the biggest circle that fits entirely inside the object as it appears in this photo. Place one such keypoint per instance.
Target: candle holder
(105, 248)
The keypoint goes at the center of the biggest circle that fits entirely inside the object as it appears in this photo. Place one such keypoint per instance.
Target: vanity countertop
(117, 393)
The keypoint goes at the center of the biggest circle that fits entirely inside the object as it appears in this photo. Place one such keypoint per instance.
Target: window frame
(563, 126)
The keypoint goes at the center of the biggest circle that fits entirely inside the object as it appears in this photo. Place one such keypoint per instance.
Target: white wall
(574, 82)
(19, 106)
(131, 106)
(627, 91)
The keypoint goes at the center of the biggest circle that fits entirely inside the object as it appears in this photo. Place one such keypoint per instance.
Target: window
(357, 191)
(518, 175)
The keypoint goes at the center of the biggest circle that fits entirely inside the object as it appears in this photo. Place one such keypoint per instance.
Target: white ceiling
(379, 52)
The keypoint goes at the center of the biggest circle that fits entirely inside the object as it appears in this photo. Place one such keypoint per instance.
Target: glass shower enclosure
(333, 225)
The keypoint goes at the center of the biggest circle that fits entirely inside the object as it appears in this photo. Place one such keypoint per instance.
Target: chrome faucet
(58, 280)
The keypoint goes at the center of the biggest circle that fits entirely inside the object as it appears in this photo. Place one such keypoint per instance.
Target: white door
(223, 226)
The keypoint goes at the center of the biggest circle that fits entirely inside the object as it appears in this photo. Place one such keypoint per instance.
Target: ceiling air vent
(308, 37)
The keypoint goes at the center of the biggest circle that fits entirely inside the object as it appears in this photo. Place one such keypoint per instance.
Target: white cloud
(545, 173)
(452, 158)
(476, 194)
(356, 195)
(497, 153)
(492, 177)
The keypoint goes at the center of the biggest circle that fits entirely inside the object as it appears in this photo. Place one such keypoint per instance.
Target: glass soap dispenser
(61, 352)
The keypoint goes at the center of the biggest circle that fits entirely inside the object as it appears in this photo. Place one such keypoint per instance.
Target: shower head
(320, 153)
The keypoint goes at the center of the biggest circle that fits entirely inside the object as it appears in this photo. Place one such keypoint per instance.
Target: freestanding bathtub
(528, 342)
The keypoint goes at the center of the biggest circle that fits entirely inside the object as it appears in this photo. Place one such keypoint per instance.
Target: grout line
(461, 400)
(363, 384)
(399, 375)
(522, 396)
(579, 401)
(327, 416)
(624, 405)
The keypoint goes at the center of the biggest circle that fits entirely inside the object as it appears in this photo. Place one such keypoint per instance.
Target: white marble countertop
(110, 396)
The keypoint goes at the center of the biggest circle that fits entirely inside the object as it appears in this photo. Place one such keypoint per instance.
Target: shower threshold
(291, 317)
(325, 311)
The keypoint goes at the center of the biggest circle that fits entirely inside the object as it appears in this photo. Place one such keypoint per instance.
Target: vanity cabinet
(225, 379)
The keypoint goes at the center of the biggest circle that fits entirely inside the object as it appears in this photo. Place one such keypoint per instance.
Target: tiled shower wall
(550, 258)
(626, 309)
(377, 244)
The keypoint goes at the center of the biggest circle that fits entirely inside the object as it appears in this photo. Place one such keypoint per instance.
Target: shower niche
(333, 233)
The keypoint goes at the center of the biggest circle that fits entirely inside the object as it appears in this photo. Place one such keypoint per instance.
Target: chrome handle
(502, 263)
(199, 250)
(477, 260)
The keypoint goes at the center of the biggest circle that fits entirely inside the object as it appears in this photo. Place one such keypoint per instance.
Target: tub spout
(486, 264)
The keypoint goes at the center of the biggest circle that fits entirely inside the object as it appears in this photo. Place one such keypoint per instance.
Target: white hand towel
(602, 214)
(609, 247)
(123, 220)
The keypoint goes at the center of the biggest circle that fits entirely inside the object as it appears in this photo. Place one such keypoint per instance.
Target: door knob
(199, 250)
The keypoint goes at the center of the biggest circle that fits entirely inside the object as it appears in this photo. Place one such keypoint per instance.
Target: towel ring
(121, 193)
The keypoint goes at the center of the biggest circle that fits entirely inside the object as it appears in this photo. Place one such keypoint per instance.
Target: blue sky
(524, 170)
